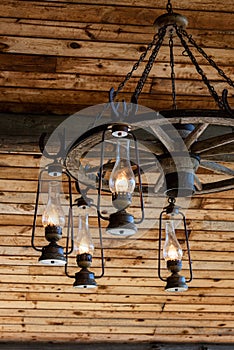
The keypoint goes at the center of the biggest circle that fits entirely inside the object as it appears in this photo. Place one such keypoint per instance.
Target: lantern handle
(35, 212)
(226, 104)
(188, 248)
(139, 179)
(159, 246)
(61, 151)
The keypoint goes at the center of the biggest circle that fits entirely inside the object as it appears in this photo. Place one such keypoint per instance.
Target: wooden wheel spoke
(216, 167)
(197, 183)
(194, 135)
(221, 150)
(201, 147)
(223, 185)
(166, 140)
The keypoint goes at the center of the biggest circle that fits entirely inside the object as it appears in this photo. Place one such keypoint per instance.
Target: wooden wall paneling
(56, 58)
(115, 346)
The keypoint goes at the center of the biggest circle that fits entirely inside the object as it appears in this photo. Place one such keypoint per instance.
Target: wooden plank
(174, 307)
(139, 315)
(150, 213)
(9, 176)
(203, 236)
(90, 322)
(135, 254)
(66, 81)
(34, 98)
(111, 346)
(8, 184)
(113, 14)
(33, 108)
(123, 290)
(190, 86)
(207, 225)
(133, 267)
(138, 242)
(200, 5)
(110, 67)
(92, 338)
(114, 268)
(27, 125)
(104, 32)
(195, 203)
(20, 160)
(152, 282)
(77, 48)
(31, 63)
(102, 83)
(120, 299)
(110, 329)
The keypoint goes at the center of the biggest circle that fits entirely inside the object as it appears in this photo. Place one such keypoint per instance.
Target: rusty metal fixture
(170, 20)
(84, 260)
(84, 279)
(52, 254)
(179, 174)
(121, 200)
(53, 233)
(121, 223)
(175, 282)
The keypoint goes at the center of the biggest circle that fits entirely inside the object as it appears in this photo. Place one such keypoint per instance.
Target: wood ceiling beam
(108, 14)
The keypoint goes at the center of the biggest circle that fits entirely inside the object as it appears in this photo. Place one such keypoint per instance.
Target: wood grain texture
(56, 58)
(130, 291)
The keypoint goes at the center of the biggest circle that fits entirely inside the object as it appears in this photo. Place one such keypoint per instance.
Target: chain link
(136, 65)
(204, 54)
(172, 65)
(211, 89)
(169, 7)
(141, 82)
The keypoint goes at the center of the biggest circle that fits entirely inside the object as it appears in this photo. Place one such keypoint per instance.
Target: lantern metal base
(176, 283)
(53, 255)
(121, 224)
(174, 265)
(84, 260)
(121, 200)
(53, 233)
(84, 279)
(55, 170)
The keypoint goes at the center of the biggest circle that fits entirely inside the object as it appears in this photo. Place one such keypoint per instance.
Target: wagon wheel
(213, 151)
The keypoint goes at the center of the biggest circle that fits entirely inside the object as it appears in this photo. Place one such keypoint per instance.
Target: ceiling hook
(226, 104)
(61, 151)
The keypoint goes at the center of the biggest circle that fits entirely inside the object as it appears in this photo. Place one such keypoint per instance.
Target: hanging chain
(141, 82)
(169, 7)
(136, 65)
(211, 89)
(172, 65)
(204, 54)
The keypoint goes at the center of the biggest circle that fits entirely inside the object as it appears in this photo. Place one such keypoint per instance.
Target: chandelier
(108, 157)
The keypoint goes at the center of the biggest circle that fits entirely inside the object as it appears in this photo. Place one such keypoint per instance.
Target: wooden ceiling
(56, 58)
